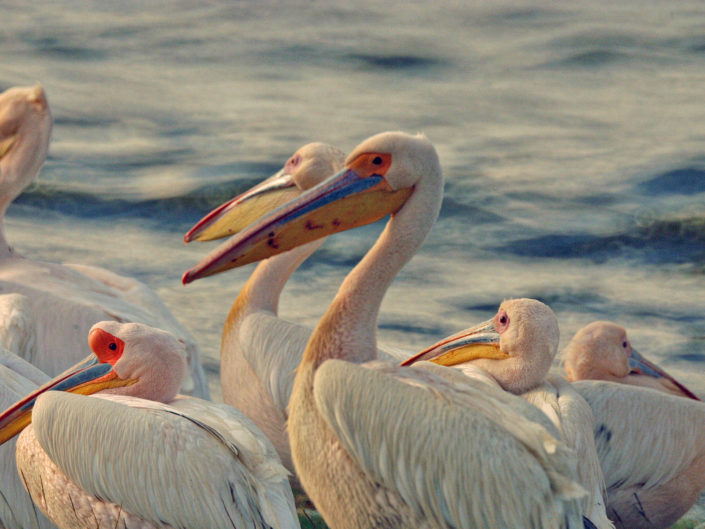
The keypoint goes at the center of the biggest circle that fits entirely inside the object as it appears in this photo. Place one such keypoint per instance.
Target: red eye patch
(107, 348)
(370, 163)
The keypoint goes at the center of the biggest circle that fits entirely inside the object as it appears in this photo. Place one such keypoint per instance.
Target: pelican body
(651, 450)
(66, 300)
(137, 455)
(376, 445)
(647, 428)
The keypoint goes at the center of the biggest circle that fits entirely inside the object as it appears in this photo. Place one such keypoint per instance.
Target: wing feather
(188, 465)
(492, 448)
(273, 348)
(573, 416)
(643, 437)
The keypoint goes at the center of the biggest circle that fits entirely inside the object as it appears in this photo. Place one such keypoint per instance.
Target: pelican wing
(187, 465)
(643, 437)
(273, 347)
(450, 451)
(572, 415)
(18, 332)
(17, 379)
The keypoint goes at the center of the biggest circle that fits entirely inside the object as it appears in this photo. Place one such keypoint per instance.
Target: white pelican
(515, 349)
(123, 460)
(17, 378)
(260, 351)
(649, 442)
(393, 446)
(602, 351)
(66, 299)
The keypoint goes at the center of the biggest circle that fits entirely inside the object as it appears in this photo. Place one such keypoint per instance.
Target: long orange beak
(641, 366)
(238, 213)
(480, 341)
(345, 200)
(86, 377)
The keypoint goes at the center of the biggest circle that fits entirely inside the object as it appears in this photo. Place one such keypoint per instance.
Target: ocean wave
(172, 213)
(681, 181)
(656, 241)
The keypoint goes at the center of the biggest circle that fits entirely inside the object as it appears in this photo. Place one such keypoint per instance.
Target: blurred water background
(572, 137)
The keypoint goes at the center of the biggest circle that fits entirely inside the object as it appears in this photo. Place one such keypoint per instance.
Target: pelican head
(602, 351)
(127, 359)
(516, 347)
(377, 179)
(25, 130)
(308, 166)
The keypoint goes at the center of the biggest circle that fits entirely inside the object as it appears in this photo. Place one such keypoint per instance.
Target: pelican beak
(6, 145)
(89, 376)
(238, 213)
(481, 341)
(346, 200)
(641, 366)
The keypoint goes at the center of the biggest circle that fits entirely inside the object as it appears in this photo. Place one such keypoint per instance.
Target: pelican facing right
(602, 351)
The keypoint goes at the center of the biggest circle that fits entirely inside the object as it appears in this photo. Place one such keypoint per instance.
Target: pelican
(259, 351)
(649, 442)
(515, 350)
(17, 378)
(68, 299)
(377, 445)
(602, 351)
(138, 455)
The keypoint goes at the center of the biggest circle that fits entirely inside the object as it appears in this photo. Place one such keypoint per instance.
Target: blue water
(572, 137)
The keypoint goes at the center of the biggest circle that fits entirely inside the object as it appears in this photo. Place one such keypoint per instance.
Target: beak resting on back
(481, 341)
(641, 366)
(86, 377)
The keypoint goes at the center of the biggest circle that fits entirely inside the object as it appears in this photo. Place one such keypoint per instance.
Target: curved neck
(348, 328)
(265, 285)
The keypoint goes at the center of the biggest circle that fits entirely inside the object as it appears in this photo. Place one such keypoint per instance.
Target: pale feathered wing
(643, 437)
(188, 464)
(17, 511)
(273, 347)
(573, 416)
(18, 332)
(82, 296)
(498, 469)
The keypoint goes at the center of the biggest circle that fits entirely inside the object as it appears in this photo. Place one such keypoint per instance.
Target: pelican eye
(112, 346)
(377, 160)
(503, 319)
(624, 344)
